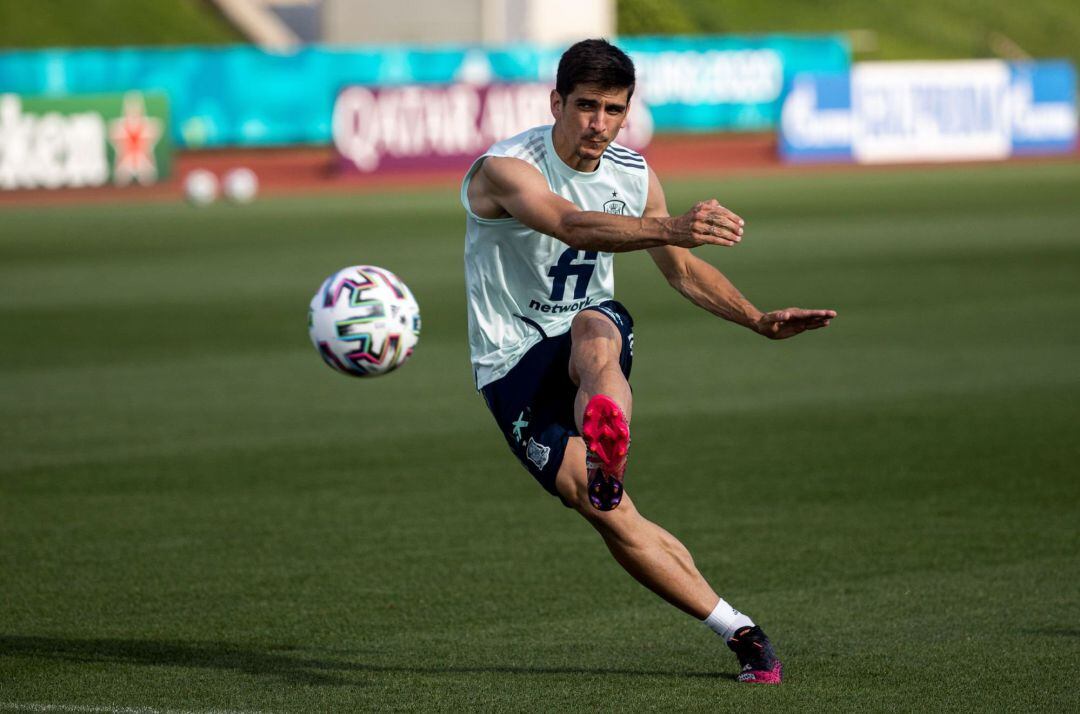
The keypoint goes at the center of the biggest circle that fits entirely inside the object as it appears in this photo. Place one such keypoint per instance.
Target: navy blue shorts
(533, 404)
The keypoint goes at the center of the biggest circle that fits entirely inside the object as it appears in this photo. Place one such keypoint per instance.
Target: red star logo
(134, 137)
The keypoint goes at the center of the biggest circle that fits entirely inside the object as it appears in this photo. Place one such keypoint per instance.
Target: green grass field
(197, 514)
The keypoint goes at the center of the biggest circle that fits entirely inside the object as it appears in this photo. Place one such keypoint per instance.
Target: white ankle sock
(725, 620)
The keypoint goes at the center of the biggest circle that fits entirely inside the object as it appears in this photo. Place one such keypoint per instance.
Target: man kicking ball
(551, 348)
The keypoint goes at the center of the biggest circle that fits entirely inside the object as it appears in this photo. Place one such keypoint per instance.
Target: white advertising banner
(891, 112)
(930, 111)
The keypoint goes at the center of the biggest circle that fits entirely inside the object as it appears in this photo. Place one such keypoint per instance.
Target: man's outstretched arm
(710, 289)
(504, 186)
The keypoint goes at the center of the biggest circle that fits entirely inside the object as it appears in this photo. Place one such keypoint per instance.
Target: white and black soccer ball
(200, 187)
(364, 321)
(240, 185)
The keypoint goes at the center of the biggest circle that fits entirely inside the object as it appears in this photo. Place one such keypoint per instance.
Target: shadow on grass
(266, 662)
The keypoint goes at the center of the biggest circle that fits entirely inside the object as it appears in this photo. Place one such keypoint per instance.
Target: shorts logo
(518, 425)
(537, 453)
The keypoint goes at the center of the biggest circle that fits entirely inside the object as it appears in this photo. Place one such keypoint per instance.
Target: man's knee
(595, 344)
(572, 483)
(591, 325)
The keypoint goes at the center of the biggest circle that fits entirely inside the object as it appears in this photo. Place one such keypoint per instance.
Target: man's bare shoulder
(505, 172)
(497, 177)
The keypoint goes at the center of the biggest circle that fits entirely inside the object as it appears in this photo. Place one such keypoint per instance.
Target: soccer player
(551, 348)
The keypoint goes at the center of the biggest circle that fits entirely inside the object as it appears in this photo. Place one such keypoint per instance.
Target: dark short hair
(594, 62)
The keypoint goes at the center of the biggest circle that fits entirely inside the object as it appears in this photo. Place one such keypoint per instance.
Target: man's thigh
(534, 403)
(612, 313)
(534, 408)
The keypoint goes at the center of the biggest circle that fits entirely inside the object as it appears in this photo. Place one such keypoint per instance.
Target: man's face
(590, 118)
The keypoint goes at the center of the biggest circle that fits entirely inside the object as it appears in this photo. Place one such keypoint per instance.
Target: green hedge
(916, 29)
(107, 23)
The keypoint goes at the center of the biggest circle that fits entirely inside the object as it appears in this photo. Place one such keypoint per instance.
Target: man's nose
(596, 122)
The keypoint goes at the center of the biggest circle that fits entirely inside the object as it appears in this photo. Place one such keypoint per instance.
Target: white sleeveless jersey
(523, 285)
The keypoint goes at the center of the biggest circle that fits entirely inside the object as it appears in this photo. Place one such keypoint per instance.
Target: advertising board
(432, 126)
(83, 141)
(727, 83)
(886, 112)
(242, 96)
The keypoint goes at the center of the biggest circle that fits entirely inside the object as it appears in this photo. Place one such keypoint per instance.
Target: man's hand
(779, 324)
(707, 223)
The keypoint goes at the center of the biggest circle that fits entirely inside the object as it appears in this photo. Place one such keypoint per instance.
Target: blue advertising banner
(884, 112)
(244, 96)
(729, 83)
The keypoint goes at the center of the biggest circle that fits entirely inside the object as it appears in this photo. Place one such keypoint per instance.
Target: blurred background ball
(200, 187)
(241, 185)
(364, 321)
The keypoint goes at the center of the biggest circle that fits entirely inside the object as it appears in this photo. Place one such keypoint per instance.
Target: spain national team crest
(615, 207)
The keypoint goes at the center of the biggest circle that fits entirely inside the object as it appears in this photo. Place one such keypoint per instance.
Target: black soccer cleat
(756, 656)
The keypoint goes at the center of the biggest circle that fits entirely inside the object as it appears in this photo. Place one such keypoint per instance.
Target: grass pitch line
(88, 709)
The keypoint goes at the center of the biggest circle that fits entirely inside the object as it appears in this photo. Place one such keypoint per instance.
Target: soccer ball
(240, 185)
(200, 187)
(364, 321)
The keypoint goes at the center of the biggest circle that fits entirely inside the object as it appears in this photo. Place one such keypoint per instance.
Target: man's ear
(556, 104)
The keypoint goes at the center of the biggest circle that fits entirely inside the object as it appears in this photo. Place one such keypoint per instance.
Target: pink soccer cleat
(607, 442)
